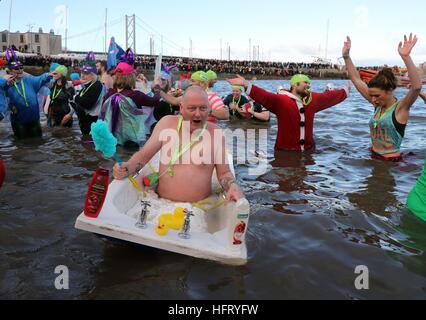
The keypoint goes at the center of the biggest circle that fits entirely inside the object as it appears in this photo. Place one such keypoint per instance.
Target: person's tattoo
(227, 182)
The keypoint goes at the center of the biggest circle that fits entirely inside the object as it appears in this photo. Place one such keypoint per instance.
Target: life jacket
(125, 121)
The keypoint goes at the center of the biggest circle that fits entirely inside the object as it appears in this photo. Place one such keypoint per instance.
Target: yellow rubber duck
(173, 221)
(162, 230)
(179, 213)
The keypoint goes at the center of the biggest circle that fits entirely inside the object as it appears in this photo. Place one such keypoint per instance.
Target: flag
(114, 54)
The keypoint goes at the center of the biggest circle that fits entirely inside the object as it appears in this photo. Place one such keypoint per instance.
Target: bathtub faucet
(141, 224)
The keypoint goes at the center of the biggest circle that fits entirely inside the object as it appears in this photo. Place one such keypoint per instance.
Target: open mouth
(197, 121)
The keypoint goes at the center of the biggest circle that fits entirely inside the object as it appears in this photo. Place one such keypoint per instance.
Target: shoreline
(320, 74)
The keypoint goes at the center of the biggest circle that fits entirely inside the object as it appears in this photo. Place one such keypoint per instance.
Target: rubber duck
(179, 213)
(162, 230)
(172, 221)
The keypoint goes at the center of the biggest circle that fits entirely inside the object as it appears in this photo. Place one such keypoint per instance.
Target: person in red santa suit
(295, 109)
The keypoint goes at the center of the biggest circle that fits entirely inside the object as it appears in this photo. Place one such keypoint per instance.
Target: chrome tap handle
(144, 215)
(186, 225)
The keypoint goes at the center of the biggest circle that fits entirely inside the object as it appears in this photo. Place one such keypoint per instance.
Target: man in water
(104, 77)
(186, 176)
(21, 93)
(88, 101)
(295, 109)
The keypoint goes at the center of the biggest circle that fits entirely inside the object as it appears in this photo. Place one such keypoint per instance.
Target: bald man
(191, 148)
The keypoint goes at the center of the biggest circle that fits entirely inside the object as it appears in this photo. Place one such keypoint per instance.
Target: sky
(292, 31)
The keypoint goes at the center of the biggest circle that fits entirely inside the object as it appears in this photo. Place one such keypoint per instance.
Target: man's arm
(323, 101)
(40, 81)
(170, 99)
(219, 111)
(229, 183)
(260, 114)
(226, 178)
(143, 100)
(141, 158)
(269, 100)
(423, 96)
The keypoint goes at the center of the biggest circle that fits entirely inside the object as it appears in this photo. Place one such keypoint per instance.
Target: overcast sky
(283, 30)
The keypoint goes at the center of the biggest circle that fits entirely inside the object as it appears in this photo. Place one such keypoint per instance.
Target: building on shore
(32, 42)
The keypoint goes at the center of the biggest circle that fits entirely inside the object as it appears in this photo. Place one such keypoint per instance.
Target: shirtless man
(217, 110)
(105, 78)
(186, 179)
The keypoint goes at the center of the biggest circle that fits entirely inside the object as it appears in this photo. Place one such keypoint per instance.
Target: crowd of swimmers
(132, 108)
(97, 92)
(120, 96)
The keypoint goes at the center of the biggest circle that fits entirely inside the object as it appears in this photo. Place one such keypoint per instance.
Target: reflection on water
(380, 184)
(315, 217)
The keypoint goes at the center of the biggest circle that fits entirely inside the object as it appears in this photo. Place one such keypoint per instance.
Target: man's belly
(188, 184)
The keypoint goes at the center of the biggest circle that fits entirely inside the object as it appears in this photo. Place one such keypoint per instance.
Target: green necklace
(178, 153)
(23, 94)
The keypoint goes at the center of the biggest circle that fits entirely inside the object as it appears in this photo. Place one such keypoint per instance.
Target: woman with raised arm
(390, 119)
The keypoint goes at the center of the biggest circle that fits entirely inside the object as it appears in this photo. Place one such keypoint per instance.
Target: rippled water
(315, 217)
